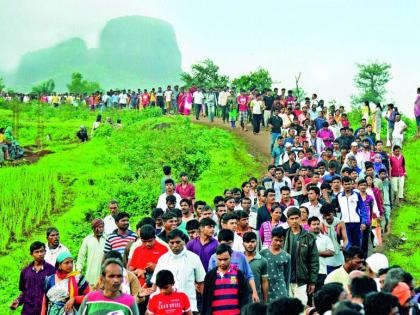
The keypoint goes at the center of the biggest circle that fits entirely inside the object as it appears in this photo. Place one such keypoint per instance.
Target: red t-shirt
(176, 303)
(242, 102)
(145, 98)
(143, 256)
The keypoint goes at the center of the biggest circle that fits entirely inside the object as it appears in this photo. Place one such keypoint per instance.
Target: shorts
(243, 116)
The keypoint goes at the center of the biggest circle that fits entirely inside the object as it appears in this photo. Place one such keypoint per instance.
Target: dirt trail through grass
(257, 145)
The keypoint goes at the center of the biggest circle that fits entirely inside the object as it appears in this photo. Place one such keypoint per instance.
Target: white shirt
(398, 127)
(223, 96)
(323, 243)
(238, 243)
(122, 98)
(278, 185)
(257, 107)
(52, 254)
(198, 97)
(313, 210)
(187, 270)
(162, 201)
(168, 95)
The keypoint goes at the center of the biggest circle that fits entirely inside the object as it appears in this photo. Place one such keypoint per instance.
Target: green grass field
(122, 164)
(126, 165)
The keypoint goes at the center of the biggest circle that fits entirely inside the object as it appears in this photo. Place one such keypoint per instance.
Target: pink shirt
(242, 102)
(186, 192)
(327, 136)
(417, 106)
(397, 166)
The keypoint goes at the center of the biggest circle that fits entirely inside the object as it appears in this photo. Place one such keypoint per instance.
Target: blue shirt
(318, 123)
(239, 260)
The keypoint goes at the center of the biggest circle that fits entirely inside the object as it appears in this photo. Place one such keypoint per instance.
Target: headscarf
(72, 282)
(97, 222)
(8, 134)
(402, 292)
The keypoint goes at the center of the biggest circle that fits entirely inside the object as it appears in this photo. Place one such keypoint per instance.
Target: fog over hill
(133, 52)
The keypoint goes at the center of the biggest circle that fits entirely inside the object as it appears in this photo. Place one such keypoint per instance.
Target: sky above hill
(321, 39)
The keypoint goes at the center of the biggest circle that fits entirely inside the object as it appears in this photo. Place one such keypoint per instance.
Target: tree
(298, 92)
(46, 87)
(2, 85)
(259, 79)
(79, 86)
(206, 75)
(370, 81)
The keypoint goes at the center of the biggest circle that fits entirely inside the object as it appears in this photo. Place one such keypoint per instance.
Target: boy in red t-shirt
(145, 256)
(168, 301)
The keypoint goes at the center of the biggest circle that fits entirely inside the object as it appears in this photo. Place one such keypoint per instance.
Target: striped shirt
(118, 242)
(226, 300)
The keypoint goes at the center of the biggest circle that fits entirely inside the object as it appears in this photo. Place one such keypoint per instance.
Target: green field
(73, 185)
(123, 164)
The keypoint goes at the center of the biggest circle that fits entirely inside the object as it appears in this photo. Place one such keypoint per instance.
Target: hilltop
(127, 45)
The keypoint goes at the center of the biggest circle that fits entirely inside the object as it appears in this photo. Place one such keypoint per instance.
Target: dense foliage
(205, 74)
(123, 164)
(78, 85)
(370, 81)
(259, 79)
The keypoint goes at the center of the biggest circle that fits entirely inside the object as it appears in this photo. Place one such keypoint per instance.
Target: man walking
(110, 300)
(353, 212)
(225, 288)
(121, 236)
(31, 281)
(184, 265)
(91, 252)
(301, 246)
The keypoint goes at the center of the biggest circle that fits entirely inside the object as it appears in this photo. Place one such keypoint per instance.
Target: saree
(74, 285)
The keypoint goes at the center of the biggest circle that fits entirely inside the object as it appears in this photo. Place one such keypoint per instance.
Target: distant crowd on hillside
(303, 238)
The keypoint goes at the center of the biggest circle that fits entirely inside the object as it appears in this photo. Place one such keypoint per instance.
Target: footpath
(257, 145)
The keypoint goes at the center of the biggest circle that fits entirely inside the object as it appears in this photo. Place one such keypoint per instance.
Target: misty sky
(322, 39)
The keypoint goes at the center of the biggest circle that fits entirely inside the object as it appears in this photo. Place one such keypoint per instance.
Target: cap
(377, 262)
(354, 144)
(288, 145)
(402, 292)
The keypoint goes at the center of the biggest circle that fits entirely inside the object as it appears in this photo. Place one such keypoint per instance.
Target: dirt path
(257, 145)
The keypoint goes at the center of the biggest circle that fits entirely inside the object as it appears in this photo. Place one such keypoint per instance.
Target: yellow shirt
(339, 275)
(2, 138)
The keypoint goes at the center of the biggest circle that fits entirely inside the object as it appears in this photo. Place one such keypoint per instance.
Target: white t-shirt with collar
(187, 270)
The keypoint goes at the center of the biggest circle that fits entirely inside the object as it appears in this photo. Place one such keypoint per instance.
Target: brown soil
(29, 157)
(257, 145)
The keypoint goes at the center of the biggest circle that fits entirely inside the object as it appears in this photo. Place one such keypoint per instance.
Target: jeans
(197, 109)
(365, 240)
(256, 122)
(274, 136)
(175, 106)
(267, 115)
(211, 111)
(354, 235)
(225, 113)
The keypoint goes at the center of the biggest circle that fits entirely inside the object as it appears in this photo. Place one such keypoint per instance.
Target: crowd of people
(303, 238)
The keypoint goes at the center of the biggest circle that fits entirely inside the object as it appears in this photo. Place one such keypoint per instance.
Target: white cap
(288, 145)
(354, 144)
(377, 262)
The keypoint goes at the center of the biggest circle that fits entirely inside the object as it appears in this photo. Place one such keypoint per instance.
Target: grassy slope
(406, 219)
(100, 170)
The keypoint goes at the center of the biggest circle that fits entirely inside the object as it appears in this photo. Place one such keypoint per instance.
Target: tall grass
(27, 198)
